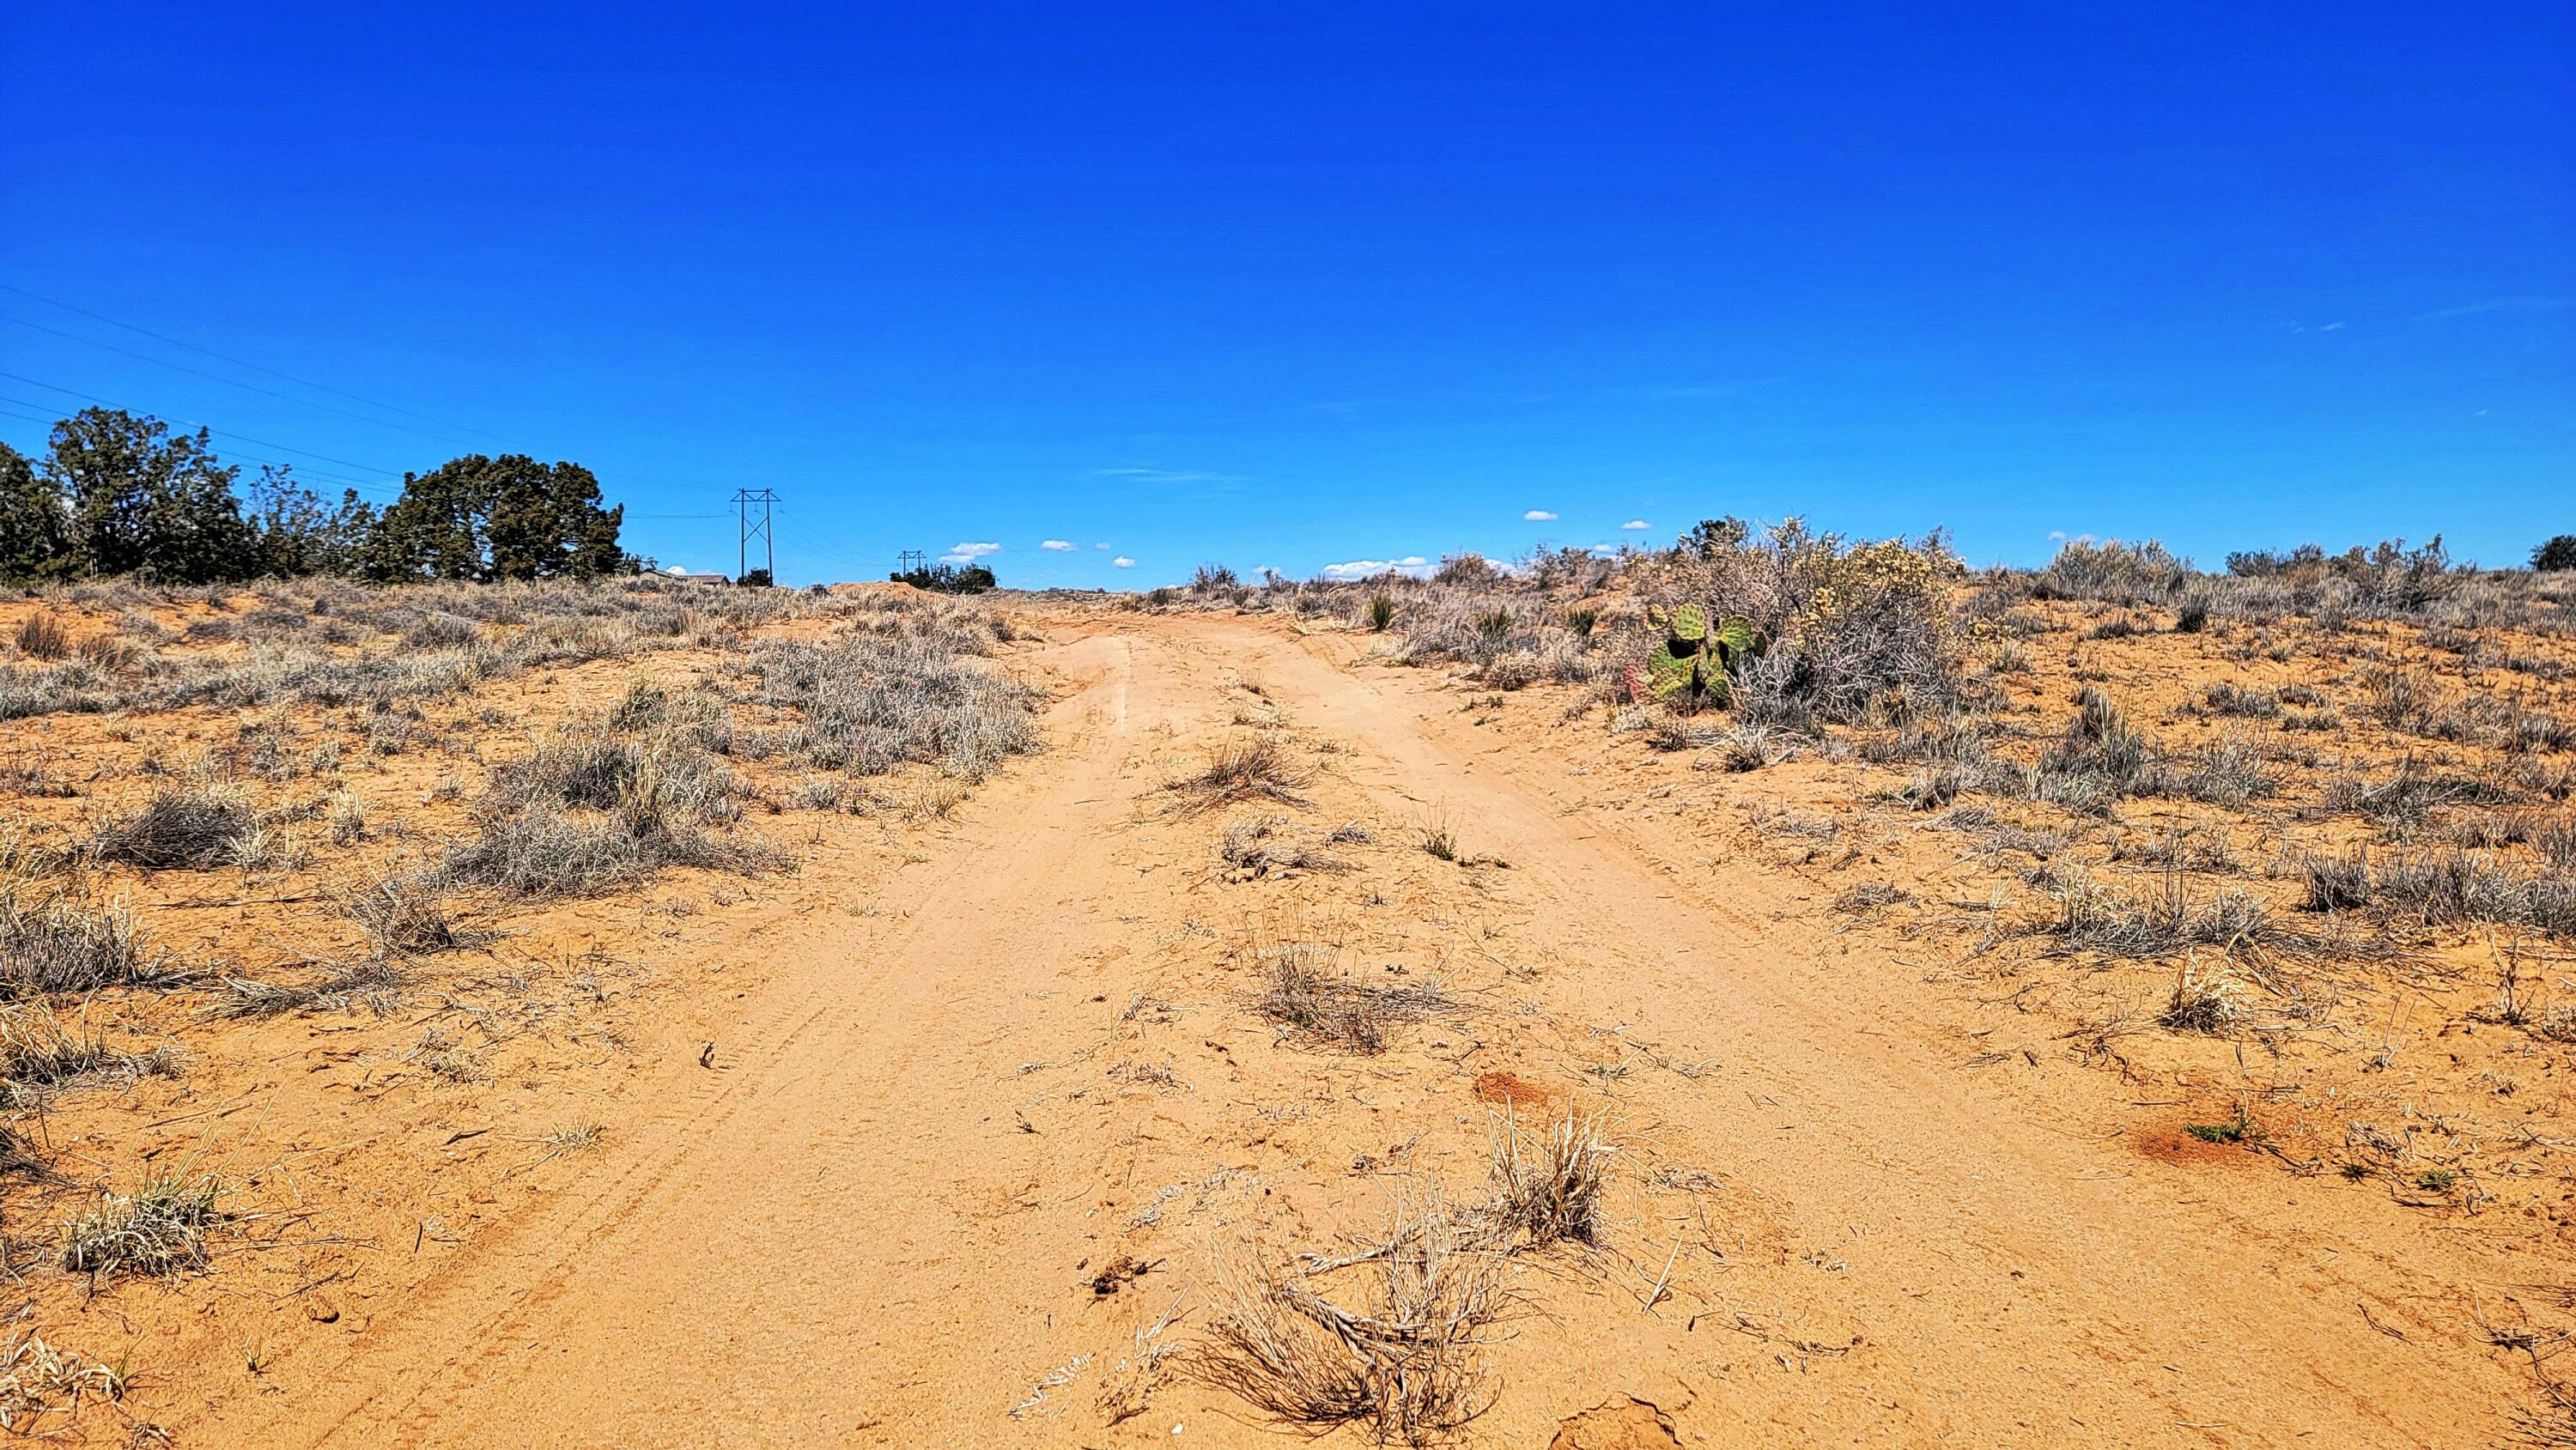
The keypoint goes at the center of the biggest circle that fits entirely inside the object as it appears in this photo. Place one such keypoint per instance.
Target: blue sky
(1305, 286)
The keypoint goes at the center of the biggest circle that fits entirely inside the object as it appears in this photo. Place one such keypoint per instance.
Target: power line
(195, 423)
(217, 377)
(272, 372)
(254, 367)
(325, 476)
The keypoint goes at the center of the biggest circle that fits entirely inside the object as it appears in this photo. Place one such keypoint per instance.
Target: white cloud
(1538, 516)
(1413, 564)
(1122, 562)
(1633, 525)
(1104, 548)
(1059, 546)
(969, 553)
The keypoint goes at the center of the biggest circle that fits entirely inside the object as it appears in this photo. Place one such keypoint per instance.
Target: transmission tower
(910, 561)
(751, 528)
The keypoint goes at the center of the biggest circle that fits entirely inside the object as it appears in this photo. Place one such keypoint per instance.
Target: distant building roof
(691, 576)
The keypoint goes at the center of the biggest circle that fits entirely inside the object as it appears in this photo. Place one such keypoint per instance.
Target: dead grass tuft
(41, 636)
(1245, 769)
(187, 828)
(406, 914)
(160, 1228)
(1305, 991)
(40, 1052)
(1406, 1365)
(1547, 1185)
(38, 1380)
(50, 942)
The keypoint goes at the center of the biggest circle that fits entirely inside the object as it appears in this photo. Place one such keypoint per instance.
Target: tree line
(117, 493)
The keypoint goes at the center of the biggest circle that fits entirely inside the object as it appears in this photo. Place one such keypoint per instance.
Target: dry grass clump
(343, 987)
(41, 637)
(591, 809)
(2408, 796)
(2207, 1002)
(1306, 993)
(874, 702)
(1265, 845)
(51, 942)
(2452, 887)
(1547, 1185)
(188, 828)
(37, 1380)
(1253, 768)
(406, 914)
(2167, 922)
(1405, 1364)
(39, 1052)
(159, 1228)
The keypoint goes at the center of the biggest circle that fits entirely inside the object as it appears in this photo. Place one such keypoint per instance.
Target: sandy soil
(959, 1097)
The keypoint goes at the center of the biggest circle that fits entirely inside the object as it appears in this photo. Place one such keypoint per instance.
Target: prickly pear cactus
(1693, 661)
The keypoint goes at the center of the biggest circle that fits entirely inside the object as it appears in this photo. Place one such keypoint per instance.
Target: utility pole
(909, 561)
(743, 499)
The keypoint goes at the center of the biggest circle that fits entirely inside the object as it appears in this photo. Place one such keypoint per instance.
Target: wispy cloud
(1634, 525)
(968, 553)
(2497, 304)
(1059, 546)
(1413, 564)
(1538, 516)
(1122, 562)
(1104, 548)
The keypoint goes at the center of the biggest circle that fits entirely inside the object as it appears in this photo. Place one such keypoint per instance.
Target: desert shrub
(2112, 572)
(1381, 612)
(1845, 630)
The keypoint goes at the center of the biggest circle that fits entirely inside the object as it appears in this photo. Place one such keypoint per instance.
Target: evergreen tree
(35, 537)
(299, 534)
(496, 518)
(145, 502)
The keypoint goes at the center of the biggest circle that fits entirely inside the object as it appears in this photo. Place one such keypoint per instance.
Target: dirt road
(883, 1215)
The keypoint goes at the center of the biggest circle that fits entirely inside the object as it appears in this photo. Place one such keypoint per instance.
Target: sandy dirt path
(876, 1218)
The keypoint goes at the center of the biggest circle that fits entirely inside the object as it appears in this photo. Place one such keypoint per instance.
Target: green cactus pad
(1737, 635)
(1668, 674)
(1690, 622)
